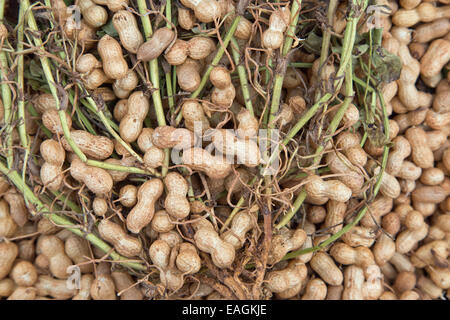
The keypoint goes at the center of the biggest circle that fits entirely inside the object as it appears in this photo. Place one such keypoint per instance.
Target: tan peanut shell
(123, 243)
(95, 147)
(130, 35)
(154, 47)
(110, 51)
(97, 180)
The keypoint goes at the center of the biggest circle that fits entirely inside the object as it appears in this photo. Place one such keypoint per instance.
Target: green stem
(90, 104)
(170, 92)
(169, 13)
(278, 86)
(304, 174)
(300, 65)
(154, 70)
(24, 138)
(345, 65)
(61, 197)
(242, 75)
(84, 121)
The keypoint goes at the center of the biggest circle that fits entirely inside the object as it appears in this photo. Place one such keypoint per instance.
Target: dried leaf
(387, 66)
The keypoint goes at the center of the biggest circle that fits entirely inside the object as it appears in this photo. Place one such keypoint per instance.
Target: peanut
(425, 12)
(436, 57)
(154, 47)
(51, 171)
(53, 249)
(400, 151)
(204, 10)
(124, 285)
(246, 151)
(7, 224)
(96, 179)
(188, 260)
(421, 153)
(77, 250)
(325, 267)
(353, 283)
(161, 222)
(94, 15)
(351, 177)
(287, 240)
(132, 123)
(201, 160)
(124, 86)
(124, 244)
(130, 36)
(316, 289)
(142, 213)
(194, 117)
(176, 203)
(103, 287)
(110, 51)
(188, 74)
(128, 195)
(170, 137)
(96, 147)
(344, 254)
(373, 287)
(23, 293)
(290, 277)
(279, 21)
(207, 240)
(85, 291)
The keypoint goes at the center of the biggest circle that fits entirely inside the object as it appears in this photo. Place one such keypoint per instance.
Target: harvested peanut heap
(225, 150)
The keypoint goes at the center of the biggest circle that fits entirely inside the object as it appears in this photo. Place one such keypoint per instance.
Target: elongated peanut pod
(142, 213)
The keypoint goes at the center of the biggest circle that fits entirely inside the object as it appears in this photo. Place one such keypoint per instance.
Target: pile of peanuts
(181, 221)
